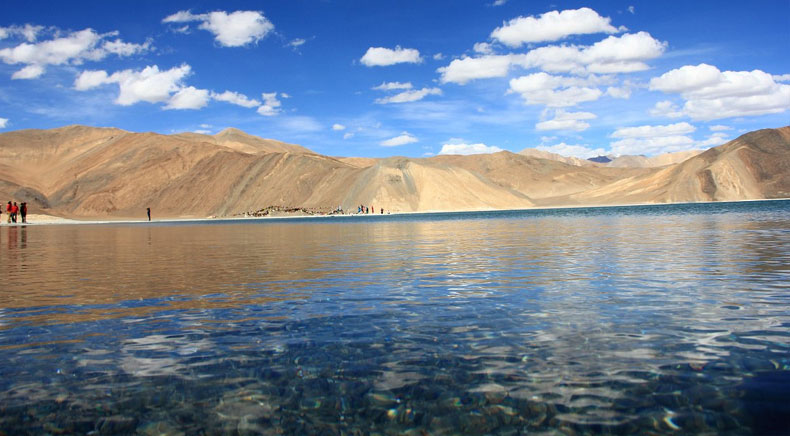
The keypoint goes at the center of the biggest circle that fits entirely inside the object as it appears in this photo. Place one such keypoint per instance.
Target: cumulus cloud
(338, 127)
(666, 109)
(235, 98)
(553, 91)
(712, 94)
(149, 84)
(29, 32)
(623, 92)
(615, 54)
(650, 131)
(403, 139)
(74, 48)
(390, 86)
(235, 29)
(573, 150)
(382, 57)
(457, 147)
(552, 26)
(409, 96)
(650, 140)
(466, 69)
(3, 123)
(189, 98)
(483, 47)
(567, 121)
(781, 77)
(271, 105)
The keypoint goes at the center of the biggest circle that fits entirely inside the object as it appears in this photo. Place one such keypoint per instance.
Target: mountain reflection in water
(599, 320)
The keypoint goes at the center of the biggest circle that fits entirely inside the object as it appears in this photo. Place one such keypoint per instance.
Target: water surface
(594, 320)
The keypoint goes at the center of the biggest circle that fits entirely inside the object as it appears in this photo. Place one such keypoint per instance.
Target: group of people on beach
(364, 209)
(13, 211)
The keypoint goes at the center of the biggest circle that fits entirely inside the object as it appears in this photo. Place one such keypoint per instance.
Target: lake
(617, 320)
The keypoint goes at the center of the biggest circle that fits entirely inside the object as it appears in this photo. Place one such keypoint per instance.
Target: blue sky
(408, 78)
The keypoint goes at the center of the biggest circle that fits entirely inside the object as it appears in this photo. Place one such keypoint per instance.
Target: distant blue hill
(600, 159)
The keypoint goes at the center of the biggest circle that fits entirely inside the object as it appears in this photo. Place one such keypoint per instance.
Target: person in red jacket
(8, 211)
(14, 211)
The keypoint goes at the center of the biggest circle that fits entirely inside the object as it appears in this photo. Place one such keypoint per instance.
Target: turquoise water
(650, 319)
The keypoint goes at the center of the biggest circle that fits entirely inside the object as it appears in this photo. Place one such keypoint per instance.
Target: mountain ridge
(86, 172)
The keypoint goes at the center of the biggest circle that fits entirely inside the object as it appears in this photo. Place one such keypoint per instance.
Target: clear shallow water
(663, 319)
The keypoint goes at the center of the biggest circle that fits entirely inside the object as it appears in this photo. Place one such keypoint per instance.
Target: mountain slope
(83, 172)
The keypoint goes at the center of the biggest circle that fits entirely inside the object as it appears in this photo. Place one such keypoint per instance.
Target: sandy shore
(42, 219)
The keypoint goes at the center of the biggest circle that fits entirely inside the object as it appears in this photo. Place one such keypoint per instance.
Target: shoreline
(43, 219)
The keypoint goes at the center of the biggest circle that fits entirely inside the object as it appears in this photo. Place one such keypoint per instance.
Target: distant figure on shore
(8, 209)
(23, 212)
(367, 210)
(148, 210)
(382, 211)
(14, 211)
(373, 209)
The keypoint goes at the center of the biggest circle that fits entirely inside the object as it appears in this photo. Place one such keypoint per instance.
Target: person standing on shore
(8, 211)
(148, 210)
(14, 211)
(23, 211)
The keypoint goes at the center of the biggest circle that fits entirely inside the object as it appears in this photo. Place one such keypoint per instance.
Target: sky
(408, 78)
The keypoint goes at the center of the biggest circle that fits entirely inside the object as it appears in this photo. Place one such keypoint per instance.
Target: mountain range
(87, 172)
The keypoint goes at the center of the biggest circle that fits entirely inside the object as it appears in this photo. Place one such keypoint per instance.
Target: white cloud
(298, 42)
(552, 26)
(623, 92)
(382, 57)
(29, 72)
(410, 96)
(712, 94)
(90, 79)
(3, 123)
(403, 139)
(719, 128)
(615, 54)
(499, 2)
(438, 57)
(781, 77)
(150, 84)
(466, 149)
(235, 98)
(271, 105)
(649, 131)
(483, 47)
(235, 29)
(713, 140)
(29, 32)
(389, 86)
(189, 98)
(632, 9)
(573, 150)
(542, 88)
(666, 109)
(463, 70)
(652, 146)
(651, 140)
(348, 135)
(338, 127)
(74, 48)
(567, 121)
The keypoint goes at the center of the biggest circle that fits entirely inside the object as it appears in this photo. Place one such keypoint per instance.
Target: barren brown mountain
(86, 172)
